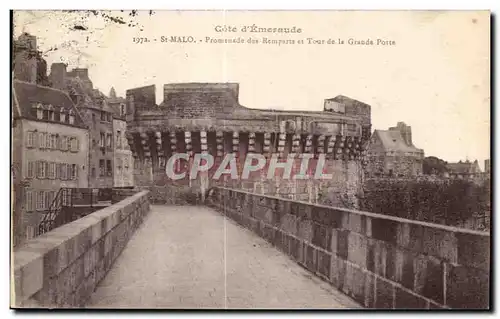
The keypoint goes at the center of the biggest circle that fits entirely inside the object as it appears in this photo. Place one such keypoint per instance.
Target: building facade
(97, 115)
(391, 153)
(464, 170)
(50, 151)
(122, 159)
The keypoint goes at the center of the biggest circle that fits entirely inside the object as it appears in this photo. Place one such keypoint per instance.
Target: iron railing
(62, 210)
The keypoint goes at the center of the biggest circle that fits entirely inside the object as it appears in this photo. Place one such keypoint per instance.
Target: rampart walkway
(193, 257)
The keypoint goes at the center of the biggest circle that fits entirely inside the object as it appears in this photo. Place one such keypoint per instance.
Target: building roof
(463, 167)
(393, 141)
(25, 94)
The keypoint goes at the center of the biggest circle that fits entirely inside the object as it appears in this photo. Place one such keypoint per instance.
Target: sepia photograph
(250, 160)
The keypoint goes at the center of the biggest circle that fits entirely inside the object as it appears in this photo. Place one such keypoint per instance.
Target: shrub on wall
(440, 201)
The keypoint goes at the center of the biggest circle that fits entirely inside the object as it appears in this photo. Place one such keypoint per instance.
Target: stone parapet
(380, 261)
(62, 268)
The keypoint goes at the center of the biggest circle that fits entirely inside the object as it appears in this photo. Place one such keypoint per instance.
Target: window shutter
(77, 144)
(29, 139)
(56, 173)
(76, 172)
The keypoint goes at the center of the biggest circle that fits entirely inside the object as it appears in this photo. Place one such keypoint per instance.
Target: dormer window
(38, 110)
(71, 117)
(50, 110)
(63, 115)
(122, 109)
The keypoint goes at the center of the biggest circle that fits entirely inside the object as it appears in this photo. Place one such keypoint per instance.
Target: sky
(435, 78)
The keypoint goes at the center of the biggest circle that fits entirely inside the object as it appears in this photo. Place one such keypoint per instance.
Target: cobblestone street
(192, 257)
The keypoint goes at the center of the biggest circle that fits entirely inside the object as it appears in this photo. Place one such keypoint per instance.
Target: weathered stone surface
(384, 294)
(385, 230)
(473, 250)
(407, 300)
(324, 261)
(357, 249)
(440, 243)
(63, 272)
(321, 236)
(337, 271)
(429, 278)
(401, 252)
(354, 283)
(467, 288)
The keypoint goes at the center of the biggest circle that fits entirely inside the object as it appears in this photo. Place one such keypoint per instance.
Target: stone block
(473, 250)
(337, 271)
(342, 243)
(467, 288)
(356, 223)
(29, 275)
(289, 224)
(369, 293)
(440, 243)
(321, 236)
(354, 283)
(296, 249)
(310, 261)
(324, 261)
(384, 295)
(376, 260)
(305, 230)
(357, 249)
(408, 300)
(429, 274)
(404, 273)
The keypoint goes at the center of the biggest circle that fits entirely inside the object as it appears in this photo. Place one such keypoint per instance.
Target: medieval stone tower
(207, 118)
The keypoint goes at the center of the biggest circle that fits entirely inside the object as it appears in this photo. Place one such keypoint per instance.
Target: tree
(434, 166)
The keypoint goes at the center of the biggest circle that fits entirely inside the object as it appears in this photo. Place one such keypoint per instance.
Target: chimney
(405, 131)
(58, 76)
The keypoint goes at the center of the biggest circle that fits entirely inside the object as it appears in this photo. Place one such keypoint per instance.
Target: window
(31, 170)
(53, 141)
(125, 163)
(101, 141)
(109, 140)
(45, 115)
(40, 200)
(41, 172)
(108, 116)
(52, 170)
(92, 174)
(58, 171)
(103, 116)
(74, 144)
(122, 109)
(64, 143)
(43, 139)
(30, 201)
(30, 139)
(64, 172)
(118, 139)
(74, 172)
(63, 116)
(68, 143)
(39, 113)
(109, 169)
(71, 117)
(101, 167)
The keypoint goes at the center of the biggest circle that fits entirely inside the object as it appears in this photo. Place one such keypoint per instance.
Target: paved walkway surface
(193, 257)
